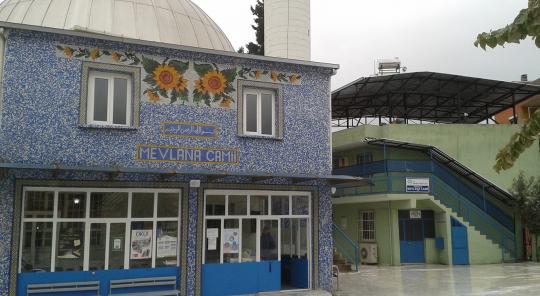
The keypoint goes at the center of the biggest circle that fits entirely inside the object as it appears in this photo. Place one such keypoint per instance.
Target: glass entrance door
(294, 253)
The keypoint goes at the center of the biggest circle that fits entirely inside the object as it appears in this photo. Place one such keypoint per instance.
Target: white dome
(170, 21)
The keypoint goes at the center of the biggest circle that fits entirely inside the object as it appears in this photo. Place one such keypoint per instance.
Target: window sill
(105, 126)
(260, 137)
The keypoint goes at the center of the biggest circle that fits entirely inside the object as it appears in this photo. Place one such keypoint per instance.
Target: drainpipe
(3, 37)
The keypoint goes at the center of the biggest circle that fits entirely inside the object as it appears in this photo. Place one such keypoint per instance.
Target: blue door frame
(460, 246)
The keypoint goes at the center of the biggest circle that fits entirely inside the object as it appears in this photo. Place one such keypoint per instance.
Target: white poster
(141, 244)
(166, 246)
(212, 232)
(212, 244)
(231, 241)
(420, 185)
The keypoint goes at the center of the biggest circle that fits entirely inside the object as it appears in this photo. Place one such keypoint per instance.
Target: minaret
(287, 29)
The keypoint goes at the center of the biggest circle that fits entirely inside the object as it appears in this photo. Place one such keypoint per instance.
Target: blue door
(460, 247)
(411, 241)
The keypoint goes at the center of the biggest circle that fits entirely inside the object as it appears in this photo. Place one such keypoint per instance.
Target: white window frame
(109, 76)
(259, 92)
(366, 235)
(258, 218)
(108, 221)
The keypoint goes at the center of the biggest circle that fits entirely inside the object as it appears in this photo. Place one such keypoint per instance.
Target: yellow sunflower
(115, 56)
(293, 79)
(214, 82)
(166, 77)
(182, 84)
(258, 74)
(94, 54)
(226, 103)
(274, 76)
(152, 96)
(68, 52)
(199, 86)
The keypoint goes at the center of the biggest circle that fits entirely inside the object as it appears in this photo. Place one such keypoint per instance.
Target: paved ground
(502, 279)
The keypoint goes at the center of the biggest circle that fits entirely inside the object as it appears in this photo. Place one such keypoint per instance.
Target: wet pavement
(501, 279)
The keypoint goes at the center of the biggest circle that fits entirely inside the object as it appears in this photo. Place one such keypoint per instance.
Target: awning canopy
(210, 175)
(427, 96)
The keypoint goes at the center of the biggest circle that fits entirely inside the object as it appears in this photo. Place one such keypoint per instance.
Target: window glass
(213, 241)
(142, 205)
(215, 205)
(231, 241)
(287, 238)
(267, 124)
(101, 93)
(237, 205)
(69, 246)
(251, 113)
(269, 240)
(141, 244)
(71, 205)
(300, 205)
(108, 204)
(249, 240)
(120, 101)
(117, 239)
(167, 243)
(98, 237)
(37, 247)
(280, 205)
(258, 205)
(39, 204)
(168, 205)
(303, 238)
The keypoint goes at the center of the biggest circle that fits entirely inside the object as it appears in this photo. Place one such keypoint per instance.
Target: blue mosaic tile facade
(40, 125)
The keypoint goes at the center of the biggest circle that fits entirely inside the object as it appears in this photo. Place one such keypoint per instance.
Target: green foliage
(526, 24)
(520, 141)
(526, 192)
(258, 47)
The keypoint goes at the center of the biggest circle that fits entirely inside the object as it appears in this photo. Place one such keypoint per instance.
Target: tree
(526, 193)
(258, 47)
(526, 24)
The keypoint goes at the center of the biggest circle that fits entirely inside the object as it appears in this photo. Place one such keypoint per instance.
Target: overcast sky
(427, 35)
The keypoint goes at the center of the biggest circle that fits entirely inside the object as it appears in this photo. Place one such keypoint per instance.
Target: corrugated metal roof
(178, 22)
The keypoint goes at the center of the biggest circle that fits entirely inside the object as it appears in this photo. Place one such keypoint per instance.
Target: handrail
(347, 247)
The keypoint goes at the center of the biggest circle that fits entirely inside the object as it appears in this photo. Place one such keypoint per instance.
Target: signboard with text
(149, 153)
(417, 185)
(189, 130)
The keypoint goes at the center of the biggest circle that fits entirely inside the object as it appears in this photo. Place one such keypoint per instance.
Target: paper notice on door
(212, 232)
(212, 244)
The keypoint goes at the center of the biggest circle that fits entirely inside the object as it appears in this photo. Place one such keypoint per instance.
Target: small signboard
(415, 214)
(417, 185)
(189, 130)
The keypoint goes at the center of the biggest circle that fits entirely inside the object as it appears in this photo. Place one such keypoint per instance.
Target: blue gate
(460, 247)
(412, 232)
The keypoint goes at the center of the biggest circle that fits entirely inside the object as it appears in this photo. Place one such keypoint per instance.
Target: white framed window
(259, 112)
(109, 98)
(82, 229)
(366, 226)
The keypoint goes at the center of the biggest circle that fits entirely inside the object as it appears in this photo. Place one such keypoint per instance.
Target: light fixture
(76, 201)
(334, 189)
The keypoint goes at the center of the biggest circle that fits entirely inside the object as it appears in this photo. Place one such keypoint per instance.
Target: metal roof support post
(487, 114)
(388, 181)
(514, 120)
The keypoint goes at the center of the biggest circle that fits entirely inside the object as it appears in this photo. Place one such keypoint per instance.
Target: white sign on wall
(141, 244)
(166, 246)
(418, 185)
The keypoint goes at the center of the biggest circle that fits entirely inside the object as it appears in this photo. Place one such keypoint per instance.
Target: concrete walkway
(501, 279)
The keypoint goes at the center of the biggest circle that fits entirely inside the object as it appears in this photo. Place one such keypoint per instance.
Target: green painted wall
(473, 145)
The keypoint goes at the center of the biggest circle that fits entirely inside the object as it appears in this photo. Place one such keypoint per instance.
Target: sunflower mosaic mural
(172, 81)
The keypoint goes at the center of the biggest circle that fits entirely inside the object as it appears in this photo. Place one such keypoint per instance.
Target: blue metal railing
(345, 246)
(478, 197)
(450, 198)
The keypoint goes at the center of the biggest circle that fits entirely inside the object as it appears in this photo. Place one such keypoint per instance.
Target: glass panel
(213, 241)
(267, 123)
(251, 113)
(269, 236)
(142, 205)
(258, 205)
(117, 245)
(108, 204)
(300, 205)
(120, 101)
(215, 205)
(37, 247)
(303, 238)
(167, 244)
(71, 205)
(39, 205)
(287, 242)
(280, 205)
(70, 246)
(141, 245)
(231, 241)
(98, 236)
(168, 205)
(237, 205)
(101, 94)
(249, 240)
